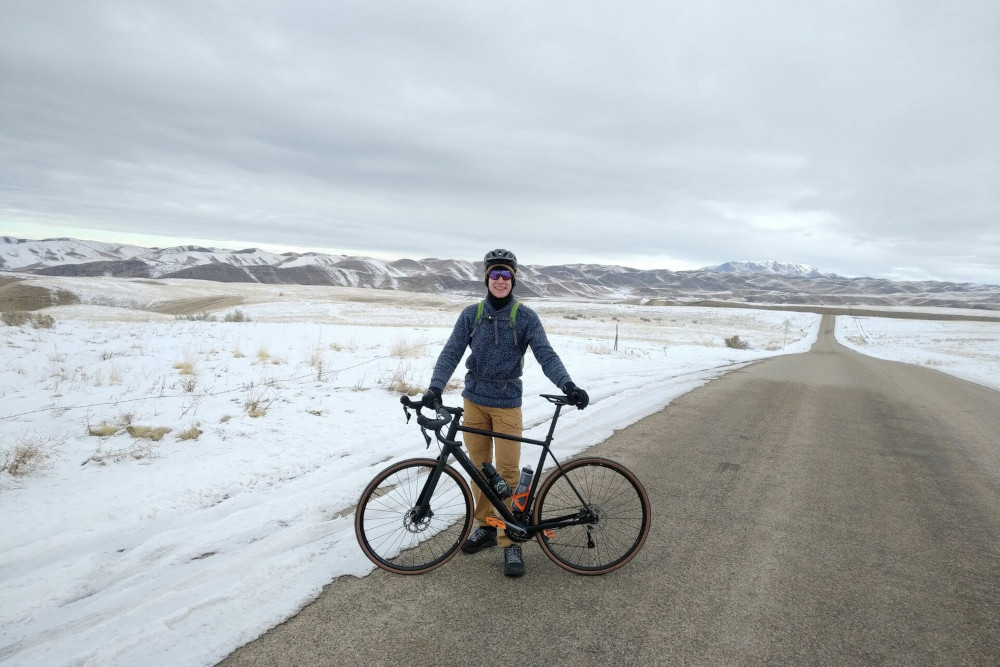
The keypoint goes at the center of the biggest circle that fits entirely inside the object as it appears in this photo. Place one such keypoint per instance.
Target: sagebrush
(18, 318)
(736, 343)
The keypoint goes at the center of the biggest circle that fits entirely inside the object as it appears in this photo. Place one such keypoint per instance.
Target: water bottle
(496, 480)
(519, 503)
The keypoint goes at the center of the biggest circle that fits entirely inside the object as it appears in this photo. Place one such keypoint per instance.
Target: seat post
(552, 426)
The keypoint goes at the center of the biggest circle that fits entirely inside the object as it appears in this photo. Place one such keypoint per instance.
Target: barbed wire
(191, 395)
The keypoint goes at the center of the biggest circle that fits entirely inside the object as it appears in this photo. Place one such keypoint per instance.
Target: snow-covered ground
(119, 550)
(969, 350)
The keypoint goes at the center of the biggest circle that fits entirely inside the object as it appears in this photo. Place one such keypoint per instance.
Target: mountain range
(768, 282)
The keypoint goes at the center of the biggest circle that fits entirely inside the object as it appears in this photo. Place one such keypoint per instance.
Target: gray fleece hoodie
(493, 369)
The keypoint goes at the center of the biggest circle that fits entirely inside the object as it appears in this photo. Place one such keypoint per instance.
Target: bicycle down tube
(452, 447)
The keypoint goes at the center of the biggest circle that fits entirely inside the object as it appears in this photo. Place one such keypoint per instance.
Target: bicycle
(590, 516)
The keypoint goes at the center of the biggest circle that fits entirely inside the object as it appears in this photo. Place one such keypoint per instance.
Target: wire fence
(193, 395)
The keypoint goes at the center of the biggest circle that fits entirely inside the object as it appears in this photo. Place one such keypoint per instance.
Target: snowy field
(120, 549)
(969, 350)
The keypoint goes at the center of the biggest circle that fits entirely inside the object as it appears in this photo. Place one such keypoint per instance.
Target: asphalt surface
(821, 508)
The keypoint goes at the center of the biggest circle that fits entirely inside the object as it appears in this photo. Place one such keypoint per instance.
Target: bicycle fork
(421, 510)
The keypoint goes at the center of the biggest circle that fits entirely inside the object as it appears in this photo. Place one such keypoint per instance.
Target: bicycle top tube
(450, 413)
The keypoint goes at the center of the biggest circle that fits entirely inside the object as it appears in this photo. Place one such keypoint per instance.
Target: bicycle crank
(513, 532)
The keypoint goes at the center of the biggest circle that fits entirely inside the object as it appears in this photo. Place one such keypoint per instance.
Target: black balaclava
(494, 301)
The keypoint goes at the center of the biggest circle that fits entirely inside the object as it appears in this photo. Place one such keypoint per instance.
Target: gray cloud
(859, 137)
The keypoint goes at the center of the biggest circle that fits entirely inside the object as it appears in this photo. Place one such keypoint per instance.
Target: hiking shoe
(481, 538)
(513, 561)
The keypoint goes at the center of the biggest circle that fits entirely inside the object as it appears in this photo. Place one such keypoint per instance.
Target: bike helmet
(500, 256)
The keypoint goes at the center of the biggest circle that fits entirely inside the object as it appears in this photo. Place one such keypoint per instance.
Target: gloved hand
(432, 398)
(578, 396)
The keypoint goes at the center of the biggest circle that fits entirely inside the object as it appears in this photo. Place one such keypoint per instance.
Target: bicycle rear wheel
(619, 502)
(390, 532)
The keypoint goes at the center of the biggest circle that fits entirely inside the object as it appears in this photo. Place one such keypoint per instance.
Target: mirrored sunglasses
(497, 274)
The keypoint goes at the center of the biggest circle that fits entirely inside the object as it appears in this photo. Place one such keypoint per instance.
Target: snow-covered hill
(22, 254)
(768, 282)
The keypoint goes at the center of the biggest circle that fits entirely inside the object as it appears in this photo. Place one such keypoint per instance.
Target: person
(492, 394)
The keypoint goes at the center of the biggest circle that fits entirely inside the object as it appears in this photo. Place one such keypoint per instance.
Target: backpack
(513, 319)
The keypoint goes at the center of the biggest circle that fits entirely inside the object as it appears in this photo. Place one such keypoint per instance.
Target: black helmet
(500, 256)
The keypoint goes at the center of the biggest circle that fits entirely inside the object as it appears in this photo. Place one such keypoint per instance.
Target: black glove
(432, 398)
(577, 396)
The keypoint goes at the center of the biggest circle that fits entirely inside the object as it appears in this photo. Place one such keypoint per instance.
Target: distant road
(821, 508)
(861, 311)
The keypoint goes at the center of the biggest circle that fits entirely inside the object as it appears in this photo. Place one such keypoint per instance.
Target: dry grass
(190, 434)
(23, 458)
(103, 430)
(404, 348)
(350, 346)
(184, 367)
(317, 361)
(603, 347)
(399, 381)
(257, 402)
(107, 429)
(147, 432)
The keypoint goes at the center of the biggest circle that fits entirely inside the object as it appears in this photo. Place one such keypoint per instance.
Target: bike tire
(384, 523)
(619, 500)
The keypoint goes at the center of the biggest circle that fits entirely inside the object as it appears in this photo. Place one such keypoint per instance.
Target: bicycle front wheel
(401, 537)
(618, 504)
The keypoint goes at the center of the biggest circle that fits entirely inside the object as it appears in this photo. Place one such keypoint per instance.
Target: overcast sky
(857, 136)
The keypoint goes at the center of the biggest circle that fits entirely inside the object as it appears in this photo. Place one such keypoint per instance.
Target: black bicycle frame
(451, 447)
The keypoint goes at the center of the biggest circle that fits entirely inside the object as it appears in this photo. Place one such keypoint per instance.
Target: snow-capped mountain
(771, 267)
(768, 282)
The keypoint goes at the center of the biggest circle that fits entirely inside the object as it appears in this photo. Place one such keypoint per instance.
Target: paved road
(821, 508)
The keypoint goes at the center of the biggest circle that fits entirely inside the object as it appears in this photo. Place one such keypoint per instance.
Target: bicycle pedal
(499, 524)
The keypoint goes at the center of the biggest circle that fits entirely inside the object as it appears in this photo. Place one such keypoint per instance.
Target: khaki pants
(481, 449)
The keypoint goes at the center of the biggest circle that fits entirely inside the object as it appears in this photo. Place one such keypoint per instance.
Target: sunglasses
(500, 273)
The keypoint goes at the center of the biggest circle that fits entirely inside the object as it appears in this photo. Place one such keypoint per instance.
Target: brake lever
(407, 413)
(426, 437)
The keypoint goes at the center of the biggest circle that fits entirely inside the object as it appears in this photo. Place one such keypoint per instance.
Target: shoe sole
(509, 573)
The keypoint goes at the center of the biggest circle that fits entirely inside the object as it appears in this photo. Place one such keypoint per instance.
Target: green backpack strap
(479, 316)
(513, 320)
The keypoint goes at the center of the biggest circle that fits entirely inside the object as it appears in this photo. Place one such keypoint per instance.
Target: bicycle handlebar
(424, 422)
